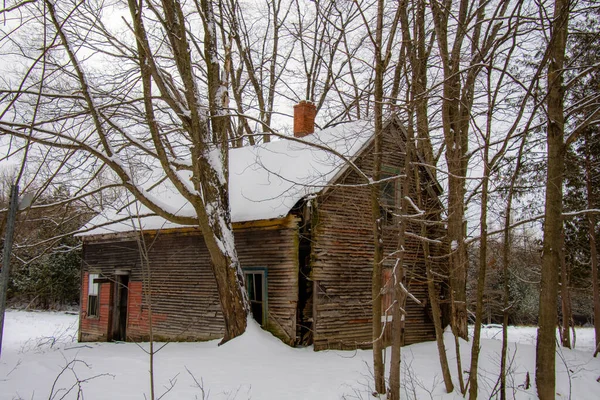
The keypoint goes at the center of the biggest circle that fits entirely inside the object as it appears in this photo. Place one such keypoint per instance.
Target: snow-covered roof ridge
(265, 180)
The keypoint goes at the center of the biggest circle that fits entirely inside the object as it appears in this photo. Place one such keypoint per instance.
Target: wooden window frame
(93, 306)
(263, 272)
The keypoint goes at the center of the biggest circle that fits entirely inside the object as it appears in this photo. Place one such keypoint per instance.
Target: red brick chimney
(304, 118)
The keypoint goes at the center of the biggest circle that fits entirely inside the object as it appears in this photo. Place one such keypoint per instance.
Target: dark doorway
(304, 314)
(119, 309)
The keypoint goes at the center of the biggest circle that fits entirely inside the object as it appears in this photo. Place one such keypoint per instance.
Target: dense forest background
(46, 262)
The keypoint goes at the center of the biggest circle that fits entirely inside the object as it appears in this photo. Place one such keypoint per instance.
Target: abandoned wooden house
(303, 234)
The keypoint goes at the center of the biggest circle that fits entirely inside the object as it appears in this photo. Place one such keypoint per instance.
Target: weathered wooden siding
(275, 247)
(185, 303)
(342, 254)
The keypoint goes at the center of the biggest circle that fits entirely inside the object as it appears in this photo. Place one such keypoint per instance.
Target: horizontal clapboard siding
(185, 304)
(342, 256)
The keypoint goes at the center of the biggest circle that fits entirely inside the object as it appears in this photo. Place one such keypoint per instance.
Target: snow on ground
(39, 345)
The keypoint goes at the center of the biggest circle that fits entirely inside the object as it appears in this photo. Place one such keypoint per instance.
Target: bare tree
(559, 136)
(499, 88)
(458, 26)
(262, 57)
(382, 56)
(379, 367)
(331, 39)
(551, 259)
(145, 94)
(412, 61)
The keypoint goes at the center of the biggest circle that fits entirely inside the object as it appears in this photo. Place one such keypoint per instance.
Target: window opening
(387, 190)
(388, 193)
(93, 302)
(256, 288)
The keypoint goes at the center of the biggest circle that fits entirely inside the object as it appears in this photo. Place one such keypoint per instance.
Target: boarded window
(256, 287)
(93, 299)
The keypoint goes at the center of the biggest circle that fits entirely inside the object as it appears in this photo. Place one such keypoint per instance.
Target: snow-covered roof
(265, 181)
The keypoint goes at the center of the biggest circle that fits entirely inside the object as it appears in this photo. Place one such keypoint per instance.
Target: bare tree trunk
(459, 368)
(455, 129)
(10, 219)
(506, 289)
(216, 223)
(212, 208)
(437, 318)
(462, 23)
(553, 226)
(147, 291)
(506, 257)
(379, 368)
(474, 388)
(565, 299)
(399, 300)
(399, 291)
(417, 53)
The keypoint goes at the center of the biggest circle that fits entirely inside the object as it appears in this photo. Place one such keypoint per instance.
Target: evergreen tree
(46, 257)
(582, 181)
